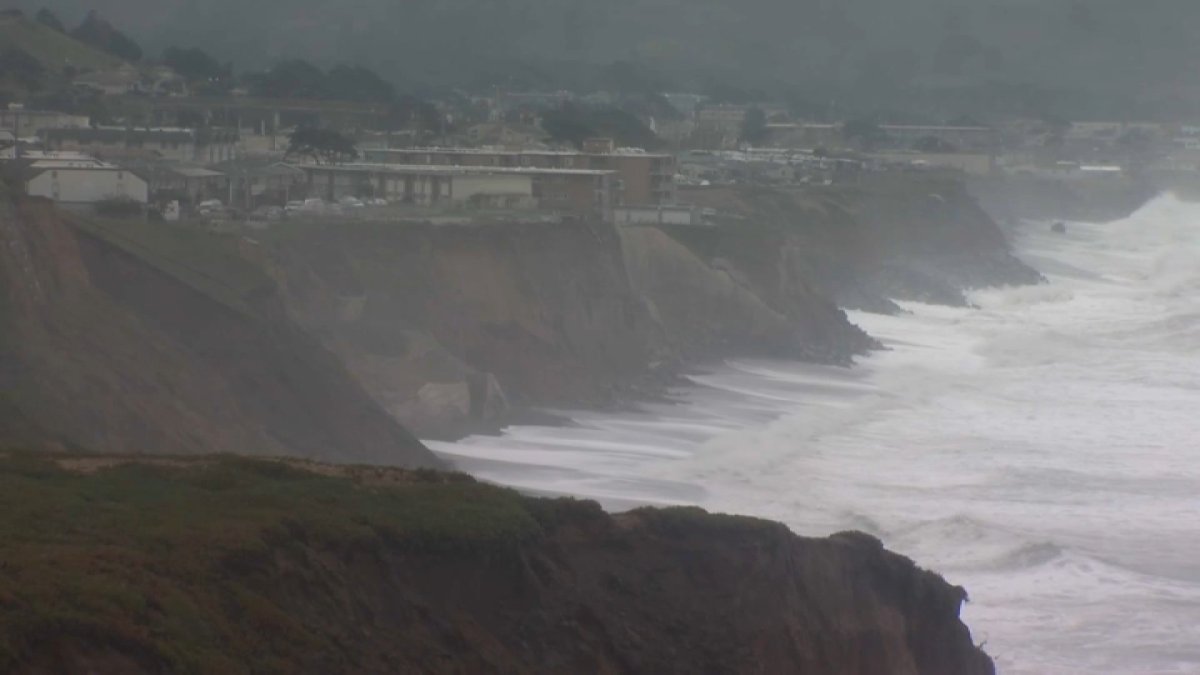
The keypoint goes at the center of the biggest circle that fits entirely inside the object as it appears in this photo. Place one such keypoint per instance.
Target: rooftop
(114, 134)
(450, 169)
(530, 153)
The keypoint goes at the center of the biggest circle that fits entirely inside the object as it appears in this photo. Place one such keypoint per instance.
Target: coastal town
(192, 144)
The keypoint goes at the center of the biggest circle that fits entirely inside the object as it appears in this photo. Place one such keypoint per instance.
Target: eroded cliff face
(100, 350)
(395, 572)
(906, 236)
(453, 324)
(450, 326)
(719, 307)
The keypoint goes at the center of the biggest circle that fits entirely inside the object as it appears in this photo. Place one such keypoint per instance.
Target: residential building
(81, 181)
(189, 184)
(719, 126)
(29, 122)
(642, 178)
(254, 183)
(200, 146)
(571, 190)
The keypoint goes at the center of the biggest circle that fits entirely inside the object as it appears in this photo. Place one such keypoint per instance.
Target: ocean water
(1041, 449)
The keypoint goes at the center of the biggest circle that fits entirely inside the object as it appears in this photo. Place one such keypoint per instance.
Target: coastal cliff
(1096, 200)
(229, 566)
(458, 328)
(907, 237)
(106, 347)
(453, 326)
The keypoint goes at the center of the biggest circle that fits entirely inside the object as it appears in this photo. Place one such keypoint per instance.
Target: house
(200, 146)
(189, 184)
(83, 181)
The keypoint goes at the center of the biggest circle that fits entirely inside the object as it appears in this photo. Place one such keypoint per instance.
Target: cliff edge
(904, 236)
(228, 566)
(452, 325)
(110, 343)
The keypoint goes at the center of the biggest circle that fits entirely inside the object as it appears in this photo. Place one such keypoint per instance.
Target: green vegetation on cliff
(222, 565)
(52, 49)
(149, 558)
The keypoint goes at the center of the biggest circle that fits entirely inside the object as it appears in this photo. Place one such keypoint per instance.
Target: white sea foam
(1040, 449)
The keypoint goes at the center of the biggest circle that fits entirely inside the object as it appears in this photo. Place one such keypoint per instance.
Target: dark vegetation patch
(147, 559)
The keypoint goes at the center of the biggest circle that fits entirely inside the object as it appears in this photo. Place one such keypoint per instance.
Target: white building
(574, 190)
(681, 214)
(200, 146)
(82, 181)
(29, 122)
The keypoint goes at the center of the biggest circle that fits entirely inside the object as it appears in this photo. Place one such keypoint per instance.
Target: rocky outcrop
(103, 349)
(238, 568)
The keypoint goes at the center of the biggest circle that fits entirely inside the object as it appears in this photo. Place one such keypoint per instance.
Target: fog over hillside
(1111, 56)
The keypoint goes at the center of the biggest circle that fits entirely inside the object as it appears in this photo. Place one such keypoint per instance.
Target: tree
(48, 18)
(18, 65)
(324, 146)
(410, 112)
(295, 78)
(754, 126)
(356, 83)
(629, 78)
(195, 65)
(574, 123)
(865, 132)
(101, 34)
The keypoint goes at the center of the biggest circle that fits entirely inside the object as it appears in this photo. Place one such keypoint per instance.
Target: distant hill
(1086, 56)
(55, 51)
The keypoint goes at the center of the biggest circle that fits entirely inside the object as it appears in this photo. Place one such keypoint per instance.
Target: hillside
(239, 566)
(55, 51)
(114, 349)
(926, 57)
